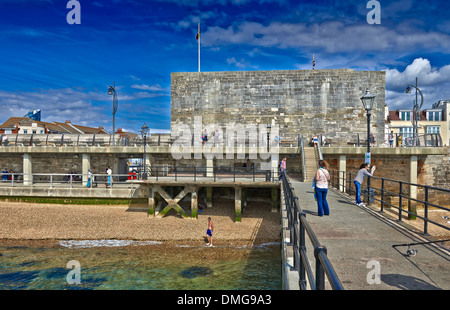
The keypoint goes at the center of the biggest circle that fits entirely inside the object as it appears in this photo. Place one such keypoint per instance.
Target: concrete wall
(299, 101)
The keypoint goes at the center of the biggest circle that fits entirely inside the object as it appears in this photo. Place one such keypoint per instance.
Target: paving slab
(360, 244)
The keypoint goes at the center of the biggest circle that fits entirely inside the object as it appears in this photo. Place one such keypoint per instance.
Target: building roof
(53, 127)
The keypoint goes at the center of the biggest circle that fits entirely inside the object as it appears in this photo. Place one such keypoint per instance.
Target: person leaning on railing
(362, 173)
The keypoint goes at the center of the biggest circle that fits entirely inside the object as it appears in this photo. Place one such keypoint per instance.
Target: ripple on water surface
(123, 264)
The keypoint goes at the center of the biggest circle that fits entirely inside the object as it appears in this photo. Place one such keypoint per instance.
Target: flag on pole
(197, 37)
(314, 62)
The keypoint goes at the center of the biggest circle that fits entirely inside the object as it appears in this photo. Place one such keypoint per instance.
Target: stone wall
(432, 170)
(299, 101)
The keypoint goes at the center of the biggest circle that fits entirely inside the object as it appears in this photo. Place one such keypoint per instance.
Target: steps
(310, 164)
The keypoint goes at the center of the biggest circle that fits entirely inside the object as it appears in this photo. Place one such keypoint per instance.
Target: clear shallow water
(115, 265)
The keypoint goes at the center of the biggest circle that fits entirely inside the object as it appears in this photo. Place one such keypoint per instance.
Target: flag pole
(198, 37)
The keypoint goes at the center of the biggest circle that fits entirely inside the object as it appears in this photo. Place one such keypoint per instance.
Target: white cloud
(331, 37)
(154, 88)
(433, 82)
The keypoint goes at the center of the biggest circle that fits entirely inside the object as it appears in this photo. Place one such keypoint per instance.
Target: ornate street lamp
(112, 91)
(144, 132)
(416, 111)
(367, 100)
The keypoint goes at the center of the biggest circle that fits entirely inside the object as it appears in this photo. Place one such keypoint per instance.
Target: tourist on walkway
(209, 232)
(321, 188)
(282, 168)
(89, 178)
(391, 139)
(362, 173)
(108, 177)
(5, 175)
(315, 140)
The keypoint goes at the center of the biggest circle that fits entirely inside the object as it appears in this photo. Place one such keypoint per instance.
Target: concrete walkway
(360, 240)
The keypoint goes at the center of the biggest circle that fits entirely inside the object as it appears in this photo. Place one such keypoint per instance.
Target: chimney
(67, 121)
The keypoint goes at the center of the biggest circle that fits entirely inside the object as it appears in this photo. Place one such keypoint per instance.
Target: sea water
(140, 265)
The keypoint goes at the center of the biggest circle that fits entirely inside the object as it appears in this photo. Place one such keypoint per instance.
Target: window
(405, 115)
(34, 131)
(406, 132)
(434, 116)
(25, 131)
(434, 129)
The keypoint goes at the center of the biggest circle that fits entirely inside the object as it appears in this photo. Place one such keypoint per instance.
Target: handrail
(381, 193)
(302, 146)
(298, 226)
(215, 174)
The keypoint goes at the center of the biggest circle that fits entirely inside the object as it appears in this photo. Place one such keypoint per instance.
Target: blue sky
(65, 70)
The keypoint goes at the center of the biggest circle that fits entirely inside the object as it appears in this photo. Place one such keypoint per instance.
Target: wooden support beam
(237, 204)
(209, 192)
(172, 203)
(274, 199)
(194, 203)
(151, 203)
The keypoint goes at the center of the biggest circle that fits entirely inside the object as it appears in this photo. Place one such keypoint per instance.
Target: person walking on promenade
(108, 177)
(391, 139)
(362, 173)
(5, 175)
(282, 168)
(89, 178)
(322, 178)
(315, 140)
(209, 231)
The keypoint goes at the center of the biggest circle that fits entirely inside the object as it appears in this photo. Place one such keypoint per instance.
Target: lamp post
(268, 175)
(144, 132)
(367, 101)
(416, 110)
(112, 91)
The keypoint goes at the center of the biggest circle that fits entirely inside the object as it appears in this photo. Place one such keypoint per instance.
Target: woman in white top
(322, 178)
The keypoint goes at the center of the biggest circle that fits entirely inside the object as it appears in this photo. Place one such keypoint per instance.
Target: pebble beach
(31, 224)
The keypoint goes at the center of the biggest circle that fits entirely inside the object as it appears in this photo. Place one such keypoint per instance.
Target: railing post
(382, 195)
(350, 181)
(400, 202)
(302, 248)
(425, 222)
(320, 272)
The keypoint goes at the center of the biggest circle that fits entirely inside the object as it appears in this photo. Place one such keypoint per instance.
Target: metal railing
(386, 191)
(93, 140)
(303, 159)
(299, 228)
(165, 139)
(359, 139)
(156, 139)
(156, 173)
